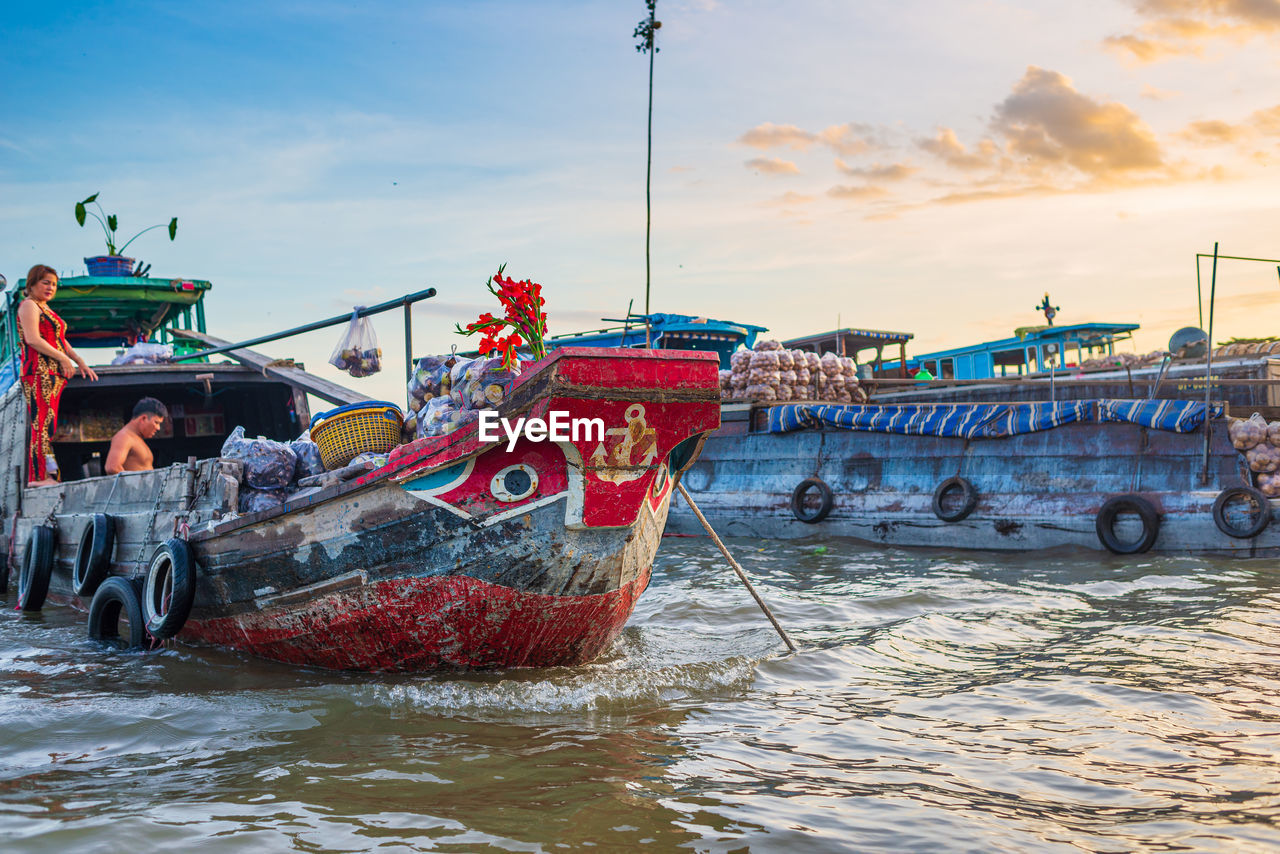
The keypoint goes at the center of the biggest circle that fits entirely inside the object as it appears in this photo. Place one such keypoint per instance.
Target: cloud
(1212, 132)
(773, 166)
(1267, 121)
(849, 139)
(876, 172)
(792, 198)
(947, 147)
(864, 192)
(1180, 27)
(1047, 123)
(769, 135)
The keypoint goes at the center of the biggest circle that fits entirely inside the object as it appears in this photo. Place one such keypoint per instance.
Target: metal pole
(742, 576)
(1199, 297)
(1208, 367)
(648, 173)
(311, 327)
(408, 345)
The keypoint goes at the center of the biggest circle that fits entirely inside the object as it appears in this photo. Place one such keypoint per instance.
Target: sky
(912, 165)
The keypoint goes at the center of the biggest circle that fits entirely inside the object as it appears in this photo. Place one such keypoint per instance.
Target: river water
(939, 702)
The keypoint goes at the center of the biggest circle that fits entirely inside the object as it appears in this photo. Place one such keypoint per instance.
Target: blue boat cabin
(1034, 349)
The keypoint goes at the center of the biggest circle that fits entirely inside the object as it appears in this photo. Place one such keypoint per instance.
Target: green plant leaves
(80, 213)
(173, 228)
(112, 221)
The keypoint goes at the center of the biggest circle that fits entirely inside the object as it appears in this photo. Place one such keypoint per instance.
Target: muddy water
(939, 702)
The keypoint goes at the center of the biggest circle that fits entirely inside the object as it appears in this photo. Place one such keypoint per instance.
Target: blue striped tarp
(1178, 416)
(987, 420)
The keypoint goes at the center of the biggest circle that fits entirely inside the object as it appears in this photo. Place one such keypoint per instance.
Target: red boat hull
(431, 623)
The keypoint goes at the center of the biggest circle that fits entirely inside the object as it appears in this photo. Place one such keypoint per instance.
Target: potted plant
(115, 262)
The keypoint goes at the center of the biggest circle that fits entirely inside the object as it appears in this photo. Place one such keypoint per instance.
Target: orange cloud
(876, 172)
(769, 135)
(849, 139)
(1178, 27)
(864, 192)
(1212, 132)
(947, 147)
(773, 166)
(1048, 123)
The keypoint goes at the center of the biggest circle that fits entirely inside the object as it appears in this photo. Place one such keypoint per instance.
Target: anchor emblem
(614, 458)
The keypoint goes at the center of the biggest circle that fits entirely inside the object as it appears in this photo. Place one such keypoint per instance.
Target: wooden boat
(1125, 476)
(457, 553)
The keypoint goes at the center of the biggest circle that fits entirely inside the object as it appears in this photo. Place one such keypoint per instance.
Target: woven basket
(348, 431)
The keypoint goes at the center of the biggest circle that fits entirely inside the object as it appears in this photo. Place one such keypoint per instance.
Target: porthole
(514, 483)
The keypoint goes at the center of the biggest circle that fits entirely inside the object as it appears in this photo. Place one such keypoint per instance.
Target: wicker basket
(348, 431)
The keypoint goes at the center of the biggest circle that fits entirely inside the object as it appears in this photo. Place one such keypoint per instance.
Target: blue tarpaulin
(986, 420)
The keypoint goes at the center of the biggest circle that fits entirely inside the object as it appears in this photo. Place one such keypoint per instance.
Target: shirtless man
(129, 451)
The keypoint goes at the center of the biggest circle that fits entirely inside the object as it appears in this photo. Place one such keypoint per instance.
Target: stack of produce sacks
(271, 469)
(1260, 443)
(1123, 360)
(447, 392)
(772, 373)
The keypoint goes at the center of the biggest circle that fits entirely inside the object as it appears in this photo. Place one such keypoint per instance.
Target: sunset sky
(916, 165)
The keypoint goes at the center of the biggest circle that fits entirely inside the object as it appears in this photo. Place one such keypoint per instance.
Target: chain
(155, 511)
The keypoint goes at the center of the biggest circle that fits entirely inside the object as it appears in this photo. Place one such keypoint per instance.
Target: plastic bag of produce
(783, 392)
(378, 460)
(767, 346)
(847, 367)
(458, 382)
(1245, 433)
(765, 360)
(726, 379)
(486, 383)
(740, 360)
(1269, 485)
(831, 364)
(145, 353)
(357, 352)
(255, 500)
(430, 379)
(1273, 433)
(1263, 458)
(785, 361)
(267, 464)
(803, 377)
(308, 454)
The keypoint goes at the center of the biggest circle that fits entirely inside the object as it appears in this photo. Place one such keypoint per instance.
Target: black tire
(1260, 521)
(115, 596)
(1105, 524)
(170, 589)
(826, 502)
(969, 499)
(93, 558)
(37, 569)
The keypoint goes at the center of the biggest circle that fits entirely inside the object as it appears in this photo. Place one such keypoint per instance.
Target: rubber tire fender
(1106, 520)
(93, 557)
(827, 501)
(37, 568)
(170, 589)
(966, 489)
(115, 595)
(1220, 512)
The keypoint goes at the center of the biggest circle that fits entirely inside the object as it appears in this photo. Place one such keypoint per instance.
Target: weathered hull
(1034, 491)
(380, 579)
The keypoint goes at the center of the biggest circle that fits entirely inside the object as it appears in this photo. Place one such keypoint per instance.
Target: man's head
(148, 415)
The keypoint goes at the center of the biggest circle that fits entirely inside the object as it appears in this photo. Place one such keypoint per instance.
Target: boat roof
(107, 311)
(1086, 334)
(848, 340)
(682, 325)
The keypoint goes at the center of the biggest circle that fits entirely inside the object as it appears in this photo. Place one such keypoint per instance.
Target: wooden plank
(294, 376)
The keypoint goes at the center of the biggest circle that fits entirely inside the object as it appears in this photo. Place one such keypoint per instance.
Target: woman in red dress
(47, 362)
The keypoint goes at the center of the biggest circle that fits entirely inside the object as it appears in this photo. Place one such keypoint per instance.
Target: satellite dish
(1189, 342)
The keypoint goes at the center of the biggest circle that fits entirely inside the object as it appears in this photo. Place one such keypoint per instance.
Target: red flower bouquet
(522, 304)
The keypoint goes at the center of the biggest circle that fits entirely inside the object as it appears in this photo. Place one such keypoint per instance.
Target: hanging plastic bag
(357, 352)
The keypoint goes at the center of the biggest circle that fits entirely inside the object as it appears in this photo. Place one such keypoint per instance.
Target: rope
(742, 576)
